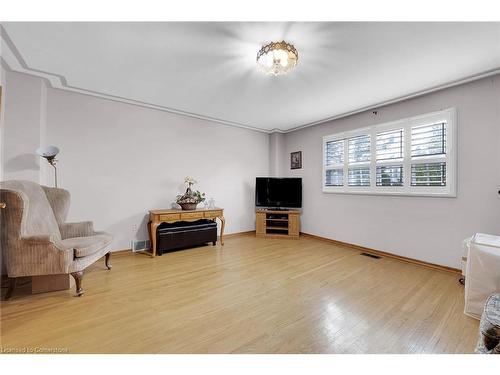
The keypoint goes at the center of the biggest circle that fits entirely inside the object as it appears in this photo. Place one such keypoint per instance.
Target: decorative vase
(211, 203)
(188, 206)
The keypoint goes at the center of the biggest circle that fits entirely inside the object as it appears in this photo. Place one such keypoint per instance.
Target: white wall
(429, 229)
(24, 118)
(276, 154)
(119, 160)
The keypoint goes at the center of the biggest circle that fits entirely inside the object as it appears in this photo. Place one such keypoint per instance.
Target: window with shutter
(359, 149)
(334, 152)
(359, 176)
(428, 140)
(389, 164)
(428, 174)
(389, 175)
(390, 145)
(334, 177)
(428, 155)
(413, 156)
(334, 163)
(359, 160)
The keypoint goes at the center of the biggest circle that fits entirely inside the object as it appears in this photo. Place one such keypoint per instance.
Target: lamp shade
(47, 151)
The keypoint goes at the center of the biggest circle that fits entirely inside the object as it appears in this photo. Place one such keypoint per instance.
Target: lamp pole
(52, 161)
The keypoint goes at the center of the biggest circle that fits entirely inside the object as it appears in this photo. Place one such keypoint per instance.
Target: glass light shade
(277, 58)
(47, 152)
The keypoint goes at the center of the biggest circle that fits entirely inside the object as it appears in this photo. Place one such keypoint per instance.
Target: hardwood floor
(251, 296)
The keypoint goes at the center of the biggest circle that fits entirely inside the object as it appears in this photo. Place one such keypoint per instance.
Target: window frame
(449, 116)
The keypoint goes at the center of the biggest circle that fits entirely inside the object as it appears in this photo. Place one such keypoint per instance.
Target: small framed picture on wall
(296, 160)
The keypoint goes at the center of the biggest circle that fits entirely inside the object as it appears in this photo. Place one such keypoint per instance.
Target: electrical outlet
(134, 227)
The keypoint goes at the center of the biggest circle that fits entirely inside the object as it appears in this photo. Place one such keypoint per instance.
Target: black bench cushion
(184, 234)
(182, 226)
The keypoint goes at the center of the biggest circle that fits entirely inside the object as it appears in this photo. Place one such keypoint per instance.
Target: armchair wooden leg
(78, 276)
(106, 261)
(10, 289)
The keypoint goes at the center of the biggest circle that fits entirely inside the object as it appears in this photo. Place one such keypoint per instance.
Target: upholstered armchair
(36, 240)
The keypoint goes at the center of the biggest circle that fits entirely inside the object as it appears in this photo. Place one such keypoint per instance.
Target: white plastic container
(482, 274)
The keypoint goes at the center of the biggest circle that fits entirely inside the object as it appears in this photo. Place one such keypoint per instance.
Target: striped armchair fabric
(36, 240)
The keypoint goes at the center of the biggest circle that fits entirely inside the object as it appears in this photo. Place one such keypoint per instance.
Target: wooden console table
(156, 217)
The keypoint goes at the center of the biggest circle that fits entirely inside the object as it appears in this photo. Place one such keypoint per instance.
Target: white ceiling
(209, 69)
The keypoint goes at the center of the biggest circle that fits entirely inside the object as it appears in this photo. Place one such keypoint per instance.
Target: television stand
(279, 223)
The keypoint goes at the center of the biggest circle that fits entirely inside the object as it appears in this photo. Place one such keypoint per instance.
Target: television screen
(278, 192)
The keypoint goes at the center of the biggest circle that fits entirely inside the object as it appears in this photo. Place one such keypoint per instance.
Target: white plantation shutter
(359, 176)
(428, 174)
(334, 152)
(334, 163)
(359, 149)
(389, 175)
(334, 177)
(390, 145)
(428, 140)
(389, 168)
(414, 156)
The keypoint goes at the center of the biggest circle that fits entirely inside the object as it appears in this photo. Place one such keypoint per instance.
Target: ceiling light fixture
(277, 58)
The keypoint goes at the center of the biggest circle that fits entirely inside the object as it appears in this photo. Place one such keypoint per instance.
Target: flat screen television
(278, 192)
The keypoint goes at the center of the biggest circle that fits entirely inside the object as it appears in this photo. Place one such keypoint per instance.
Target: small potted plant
(191, 198)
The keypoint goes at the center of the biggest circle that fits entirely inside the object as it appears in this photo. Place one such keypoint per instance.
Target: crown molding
(12, 60)
(415, 94)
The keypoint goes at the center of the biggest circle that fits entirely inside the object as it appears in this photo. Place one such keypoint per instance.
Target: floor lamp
(49, 153)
